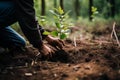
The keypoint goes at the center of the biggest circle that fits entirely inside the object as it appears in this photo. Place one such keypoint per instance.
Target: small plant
(94, 12)
(62, 27)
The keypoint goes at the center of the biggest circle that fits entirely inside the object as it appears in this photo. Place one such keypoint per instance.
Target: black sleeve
(26, 18)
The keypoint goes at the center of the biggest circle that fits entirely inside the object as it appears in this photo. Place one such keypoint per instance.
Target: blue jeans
(8, 36)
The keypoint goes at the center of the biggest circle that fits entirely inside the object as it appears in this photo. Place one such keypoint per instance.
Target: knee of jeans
(23, 42)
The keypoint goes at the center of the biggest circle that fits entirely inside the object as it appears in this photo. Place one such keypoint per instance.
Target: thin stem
(114, 32)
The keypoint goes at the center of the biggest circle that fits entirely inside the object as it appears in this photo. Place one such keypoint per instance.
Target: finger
(62, 42)
(55, 46)
(51, 54)
(53, 49)
(60, 45)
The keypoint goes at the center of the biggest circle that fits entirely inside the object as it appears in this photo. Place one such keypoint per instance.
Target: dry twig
(115, 34)
(75, 42)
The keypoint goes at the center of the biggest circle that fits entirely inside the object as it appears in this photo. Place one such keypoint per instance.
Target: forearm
(26, 19)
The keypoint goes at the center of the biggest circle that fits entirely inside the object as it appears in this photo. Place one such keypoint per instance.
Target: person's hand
(46, 52)
(55, 42)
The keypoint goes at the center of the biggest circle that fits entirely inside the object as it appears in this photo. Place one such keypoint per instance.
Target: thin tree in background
(90, 9)
(43, 7)
(61, 4)
(77, 7)
(112, 2)
(111, 11)
(55, 3)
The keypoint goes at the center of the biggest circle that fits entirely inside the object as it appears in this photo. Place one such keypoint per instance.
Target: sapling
(62, 27)
(94, 12)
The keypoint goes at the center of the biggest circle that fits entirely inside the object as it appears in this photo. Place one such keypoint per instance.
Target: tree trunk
(61, 4)
(111, 11)
(55, 3)
(90, 9)
(77, 6)
(112, 2)
(43, 7)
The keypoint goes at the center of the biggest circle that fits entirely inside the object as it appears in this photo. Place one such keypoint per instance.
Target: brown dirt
(89, 60)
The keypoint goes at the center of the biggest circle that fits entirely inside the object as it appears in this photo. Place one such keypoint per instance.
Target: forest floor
(81, 59)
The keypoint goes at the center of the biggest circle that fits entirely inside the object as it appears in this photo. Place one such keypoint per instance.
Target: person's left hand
(55, 42)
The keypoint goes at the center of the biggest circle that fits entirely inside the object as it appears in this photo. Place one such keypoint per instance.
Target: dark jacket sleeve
(26, 18)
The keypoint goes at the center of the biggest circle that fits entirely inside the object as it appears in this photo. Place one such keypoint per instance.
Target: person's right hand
(46, 52)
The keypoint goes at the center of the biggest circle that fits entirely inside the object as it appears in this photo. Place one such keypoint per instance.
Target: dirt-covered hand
(46, 52)
(55, 42)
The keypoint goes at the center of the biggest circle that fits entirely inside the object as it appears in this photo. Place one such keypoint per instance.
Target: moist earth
(79, 60)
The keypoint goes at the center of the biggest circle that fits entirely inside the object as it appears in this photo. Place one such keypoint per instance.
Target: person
(23, 12)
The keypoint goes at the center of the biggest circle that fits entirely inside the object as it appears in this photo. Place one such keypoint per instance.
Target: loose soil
(96, 59)
(88, 60)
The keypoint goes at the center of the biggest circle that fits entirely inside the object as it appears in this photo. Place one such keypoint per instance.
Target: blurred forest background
(90, 14)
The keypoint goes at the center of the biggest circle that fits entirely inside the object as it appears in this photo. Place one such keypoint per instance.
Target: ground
(81, 59)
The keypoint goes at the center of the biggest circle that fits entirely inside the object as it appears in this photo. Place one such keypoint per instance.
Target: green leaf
(94, 9)
(54, 33)
(60, 10)
(63, 36)
(46, 33)
(67, 31)
(53, 12)
(67, 13)
(57, 25)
